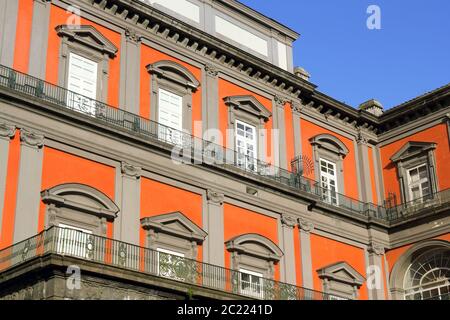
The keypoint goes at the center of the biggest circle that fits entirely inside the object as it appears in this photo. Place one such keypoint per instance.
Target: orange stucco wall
(239, 221)
(60, 167)
(9, 205)
(228, 89)
(58, 17)
(436, 134)
(23, 35)
(325, 251)
(158, 198)
(310, 130)
(149, 56)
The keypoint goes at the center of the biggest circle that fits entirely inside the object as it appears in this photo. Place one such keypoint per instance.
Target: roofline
(252, 13)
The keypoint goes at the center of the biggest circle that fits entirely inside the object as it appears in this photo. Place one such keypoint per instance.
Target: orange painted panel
(149, 56)
(9, 206)
(310, 130)
(372, 176)
(290, 150)
(60, 167)
(239, 221)
(58, 17)
(436, 134)
(23, 35)
(325, 251)
(227, 89)
(158, 198)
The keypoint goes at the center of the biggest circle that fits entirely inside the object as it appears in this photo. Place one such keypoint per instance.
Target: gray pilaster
(358, 172)
(296, 109)
(290, 57)
(208, 18)
(8, 25)
(129, 215)
(213, 247)
(288, 224)
(278, 106)
(210, 106)
(379, 175)
(364, 168)
(130, 66)
(39, 38)
(7, 132)
(305, 228)
(29, 185)
(375, 256)
(377, 172)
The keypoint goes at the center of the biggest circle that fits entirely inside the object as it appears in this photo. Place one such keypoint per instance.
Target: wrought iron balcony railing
(414, 207)
(188, 147)
(89, 247)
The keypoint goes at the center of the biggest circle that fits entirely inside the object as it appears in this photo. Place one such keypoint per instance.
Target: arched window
(422, 272)
(329, 153)
(172, 86)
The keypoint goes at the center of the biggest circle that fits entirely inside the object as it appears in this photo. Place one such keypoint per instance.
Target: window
(251, 283)
(340, 281)
(328, 181)
(73, 241)
(170, 263)
(82, 81)
(419, 183)
(170, 117)
(246, 145)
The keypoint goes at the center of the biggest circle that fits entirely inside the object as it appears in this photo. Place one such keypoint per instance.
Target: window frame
(328, 193)
(254, 144)
(250, 292)
(419, 183)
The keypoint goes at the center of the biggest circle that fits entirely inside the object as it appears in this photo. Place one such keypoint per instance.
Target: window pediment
(174, 72)
(341, 272)
(250, 105)
(412, 149)
(176, 224)
(89, 36)
(255, 245)
(330, 143)
(82, 198)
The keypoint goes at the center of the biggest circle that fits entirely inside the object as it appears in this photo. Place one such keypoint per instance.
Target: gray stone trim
(173, 77)
(39, 38)
(131, 204)
(173, 231)
(387, 277)
(91, 44)
(287, 237)
(7, 132)
(359, 174)
(298, 143)
(375, 255)
(278, 105)
(214, 225)
(210, 105)
(131, 58)
(411, 155)
(364, 169)
(378, 175)
(332, 275)
(29, 184)
(8, 23)
(305, 253)
(68, 196)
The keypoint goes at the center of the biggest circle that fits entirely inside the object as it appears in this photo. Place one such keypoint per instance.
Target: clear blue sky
(409, 56)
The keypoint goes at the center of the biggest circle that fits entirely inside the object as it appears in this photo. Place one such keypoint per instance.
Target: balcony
(108, 252)
(197, 151)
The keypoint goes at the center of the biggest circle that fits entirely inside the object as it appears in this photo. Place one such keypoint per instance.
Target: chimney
(302, 73)
(372, 106)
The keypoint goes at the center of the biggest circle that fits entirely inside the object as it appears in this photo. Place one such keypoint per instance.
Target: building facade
(170, 150)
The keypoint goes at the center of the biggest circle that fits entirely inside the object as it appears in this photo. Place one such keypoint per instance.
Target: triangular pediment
(89, 36)
(412, 149)
(174, 223)
(342, 272)
(250, 105)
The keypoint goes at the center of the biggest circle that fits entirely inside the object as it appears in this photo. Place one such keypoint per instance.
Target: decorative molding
(288, 220)
(306, 226)
(215, 197)
(175, 72)
(279, 101)
(211, 70)
(361, 137)
(296, 107)
(130, 170)
(250, 105)
(375, 248)
(132, 35)
(245, 244)
(31, 139)
(7, 131)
